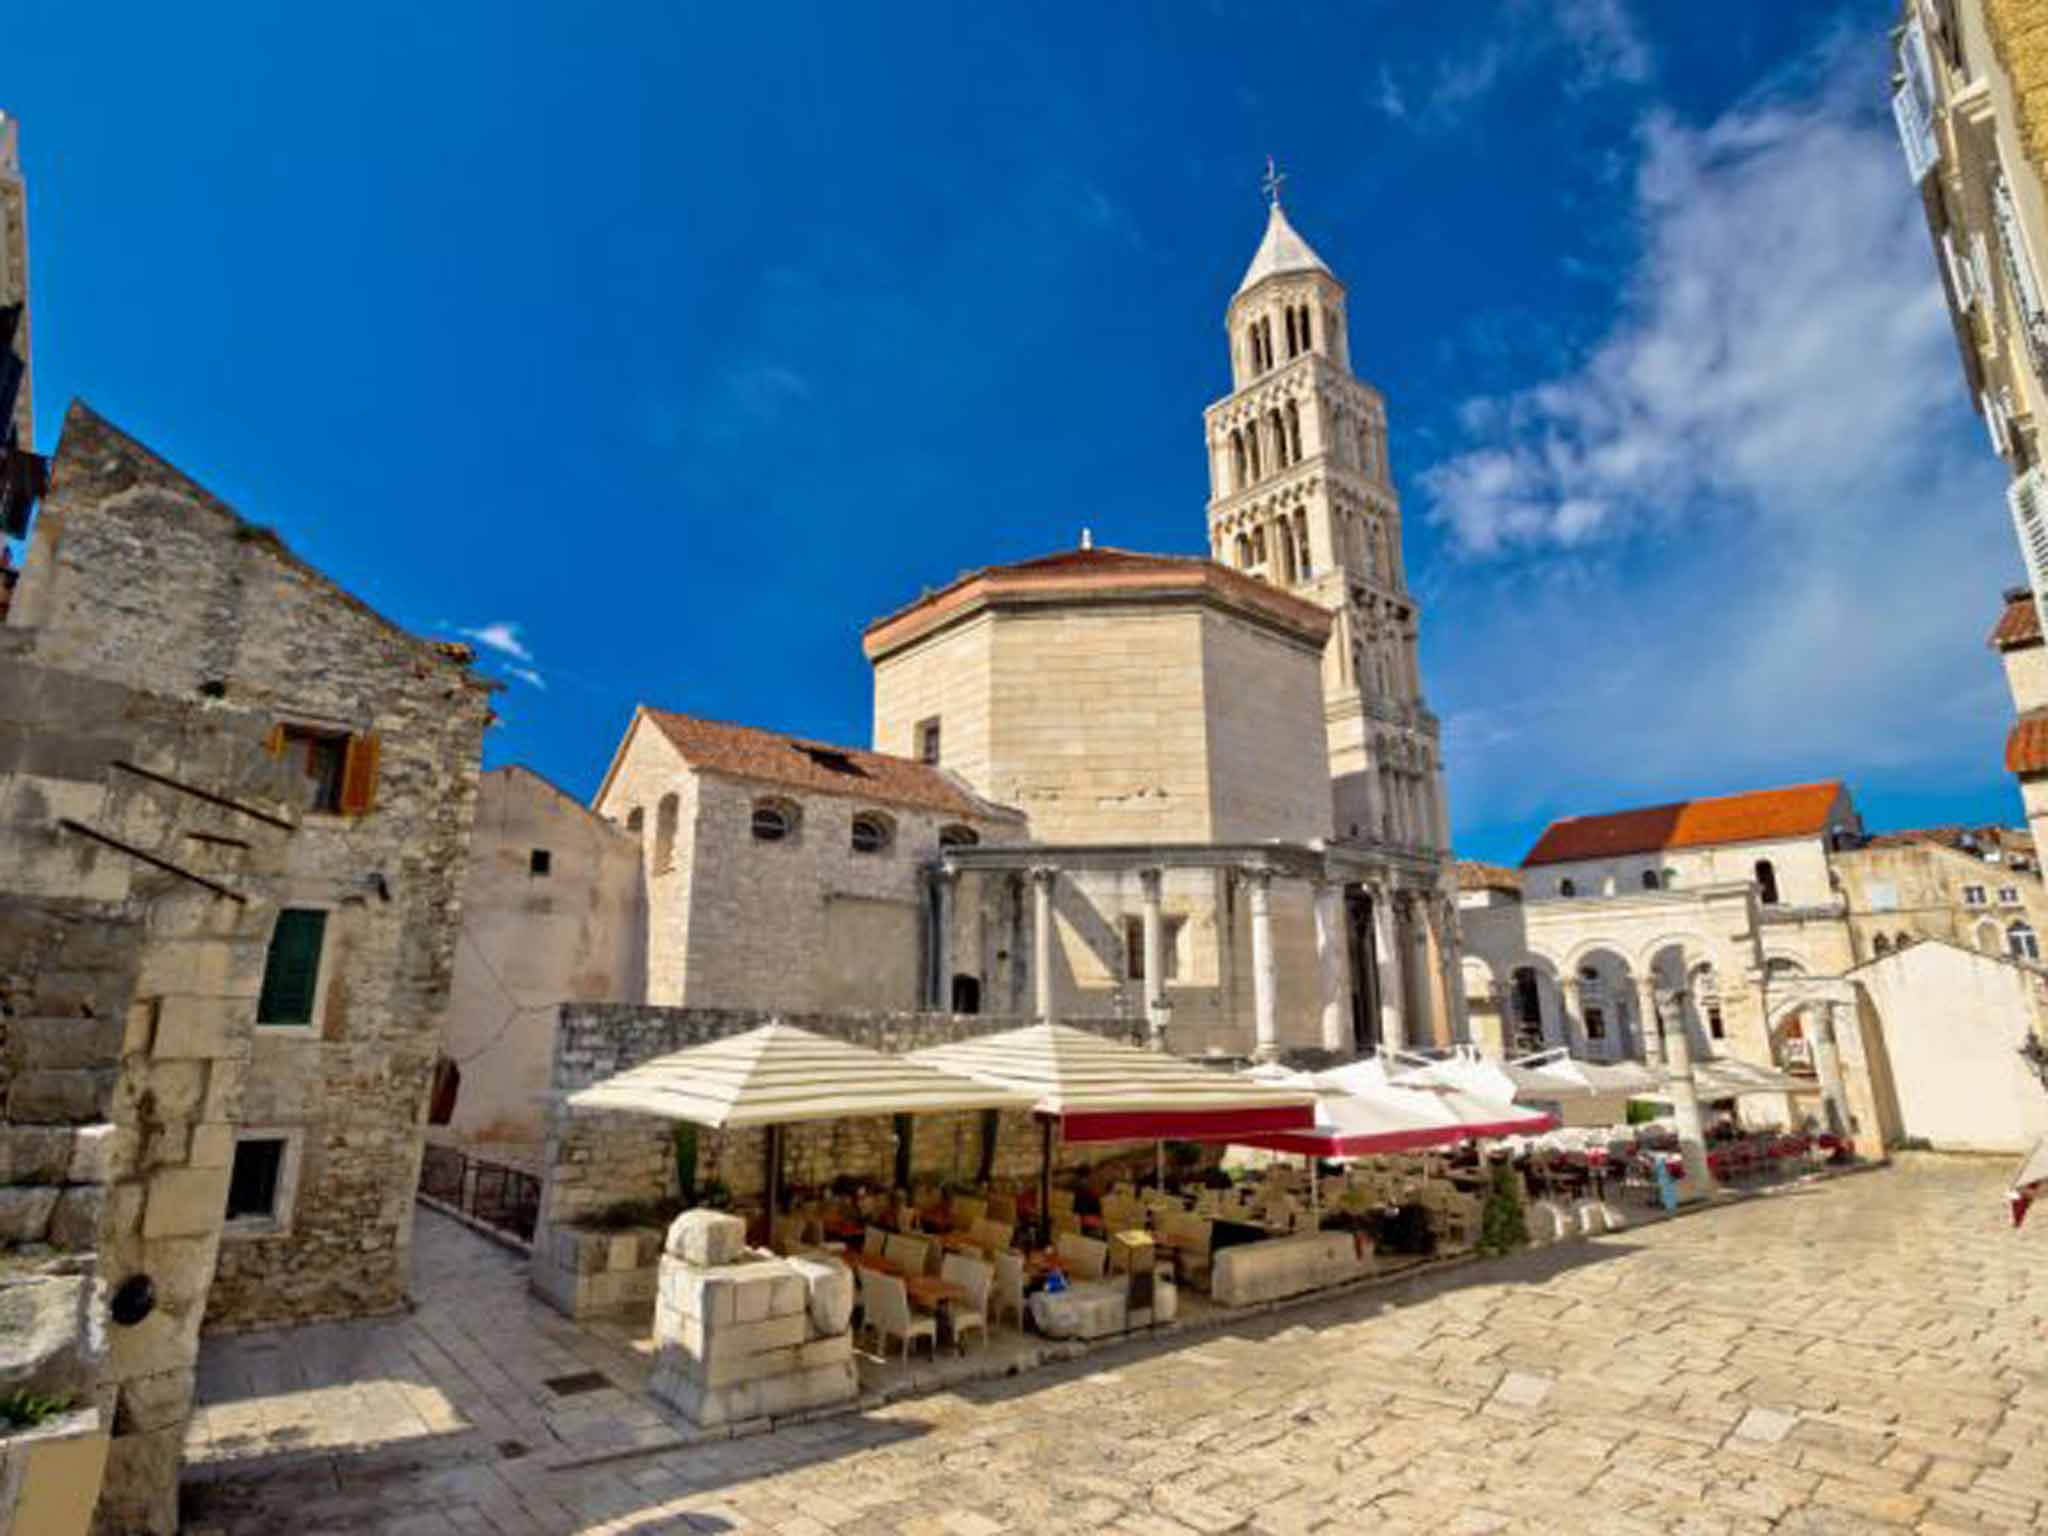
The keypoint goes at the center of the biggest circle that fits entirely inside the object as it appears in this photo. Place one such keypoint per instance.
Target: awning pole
(1315, 1194)
(1045, 1181)
(1159, 1168)
(774, 1178)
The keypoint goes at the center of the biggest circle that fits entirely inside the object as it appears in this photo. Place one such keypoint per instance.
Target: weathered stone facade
(142, 842)
(138, 575)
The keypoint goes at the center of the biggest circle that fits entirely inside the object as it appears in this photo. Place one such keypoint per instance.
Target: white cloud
(500, 635)
(1606, 40)
(528, 675)
(1598, 40)
(1388, 97)
(1755, 534)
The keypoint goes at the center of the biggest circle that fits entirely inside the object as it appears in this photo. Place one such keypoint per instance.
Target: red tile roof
(2019, 622)
(746, 752)
(1097, 574)
(1761, 815)
(2026, 744)
(1475, 876)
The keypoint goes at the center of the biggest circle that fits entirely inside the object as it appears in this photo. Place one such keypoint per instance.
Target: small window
(1715, 1027)
(540, 862)
(666, 815)
(321, 756)
(2020, 941)
(773, 822)
(254, 1181)
(447, 1087)
(1880, 946)
(1973, 895)
(1596, 1023)
(928, 741)
(636, 820)
(1650, 880)
(871, 833)
(1134, 947)
(957, 836)
(291, 970)
(1766, 882)
(1567, 888)
(2008, 895)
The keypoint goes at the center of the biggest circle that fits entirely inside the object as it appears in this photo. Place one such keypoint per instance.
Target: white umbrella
(2030, 1183)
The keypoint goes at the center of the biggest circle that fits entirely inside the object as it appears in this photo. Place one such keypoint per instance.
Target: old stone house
(137, 575)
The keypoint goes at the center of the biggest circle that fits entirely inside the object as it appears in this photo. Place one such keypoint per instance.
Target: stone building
(552, 913)
(1970, 94)
(2017, 639)
(137, 575)
(142, 844)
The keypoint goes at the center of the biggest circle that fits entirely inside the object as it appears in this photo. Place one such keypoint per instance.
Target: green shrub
(22, 1409)
(1503, 1227)
(1643, 1111)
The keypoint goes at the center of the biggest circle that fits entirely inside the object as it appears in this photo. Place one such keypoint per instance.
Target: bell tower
(1300, 494)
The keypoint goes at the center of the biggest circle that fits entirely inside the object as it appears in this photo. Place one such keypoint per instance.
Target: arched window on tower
(1293, 341)
(1293, 432)
(1766, 882)
(1285, 539)
(1251, 443)
(1237, 460)
(1301, 559)
(1308, 340)
(1244, 551)
(665, 834)
(1279, 430)
(1365, 448)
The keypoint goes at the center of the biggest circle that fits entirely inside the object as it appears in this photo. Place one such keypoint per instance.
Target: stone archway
(1600, 994)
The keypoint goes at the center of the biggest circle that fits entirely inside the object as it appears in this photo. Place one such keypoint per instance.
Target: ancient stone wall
(141, 842)
(138, 575)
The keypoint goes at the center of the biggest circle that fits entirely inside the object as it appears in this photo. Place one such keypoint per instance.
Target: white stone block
(829, 1288)
(787, 1296)
(707, 1239)
(752, 1294)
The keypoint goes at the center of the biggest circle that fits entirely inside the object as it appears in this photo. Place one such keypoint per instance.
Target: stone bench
(1285, 1266)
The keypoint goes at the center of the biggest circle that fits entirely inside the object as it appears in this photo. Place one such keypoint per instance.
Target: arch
(873, 832)
(775, 820)
(1284, 538)
(636, 820)
(1293, 432)
(1767, 882)
(1251, 443)
(955, 835)
(1651, 881)
(1308, 333)
(1989, 940)
(1881, 945)
(1301, 555)
(1293, 341)
(1237, 462)
(1244, 551)
(1279, 430)
(665, 834)
(1902, 939)
(1683, 944)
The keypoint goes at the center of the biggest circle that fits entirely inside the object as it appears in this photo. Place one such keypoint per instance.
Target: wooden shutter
(274, 742)
(359, 776)
(291, 971)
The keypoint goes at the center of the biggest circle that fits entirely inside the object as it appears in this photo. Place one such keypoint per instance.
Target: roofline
(1200, 582)
(1530, 861)
(619, 756)
(987, 809)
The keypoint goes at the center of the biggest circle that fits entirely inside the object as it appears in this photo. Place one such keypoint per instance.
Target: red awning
(1232, 1125)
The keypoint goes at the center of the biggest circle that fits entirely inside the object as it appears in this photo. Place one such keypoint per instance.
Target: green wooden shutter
(292, 969)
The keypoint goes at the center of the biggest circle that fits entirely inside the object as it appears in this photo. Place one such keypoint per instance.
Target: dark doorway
(967, 995)
(1365, 973)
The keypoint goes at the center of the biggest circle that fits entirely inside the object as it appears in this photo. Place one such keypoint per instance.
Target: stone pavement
(1864, 1355)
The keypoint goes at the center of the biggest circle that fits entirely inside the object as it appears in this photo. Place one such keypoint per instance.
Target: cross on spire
(1270, 183)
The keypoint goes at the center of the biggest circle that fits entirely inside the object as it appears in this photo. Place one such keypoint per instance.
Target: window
(957, 836)
(1134, 947)
(1279, 431)
(2008, 895)
(1880, 946)
(1251, 443)
(540, 863)
(1567, 887)
(292, 968)
(1715, 1027)
(872, 833)
(831, 759)
(1237, 460)
(1244, 551)
(665, 834)
(774, 821)
(1670, 879)
(928, 740)
(1914, 103)
(1293, 432)
(447, 1085)
(1973, 895)
(1596, 1022)
(340, 769)
(636, 819)
(1650, 880)
(1302, 561)
(1766, 882)
(1528, 1001)
(256, 1178)
(2020, 941)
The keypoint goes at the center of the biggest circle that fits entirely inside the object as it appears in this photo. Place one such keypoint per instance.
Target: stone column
(1042, 878)
(1685, 1108)
(1421, 1029)
(945, 883)
(1827, 1065)
(1150, 882)
(1457, 1022)
(1333, 966)
(1393, 989)
(1652, 1032)
(1265, 976)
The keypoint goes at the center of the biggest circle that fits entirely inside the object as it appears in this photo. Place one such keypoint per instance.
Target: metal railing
(497, 1196)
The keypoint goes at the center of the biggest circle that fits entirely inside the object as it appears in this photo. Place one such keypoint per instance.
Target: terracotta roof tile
(1475, 876)
(2026, 744)
(2019, 622)
(1098, 573)
(770, 757)
(1760, 815)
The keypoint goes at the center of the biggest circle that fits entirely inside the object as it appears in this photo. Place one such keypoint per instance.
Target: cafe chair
(971, 1315)
(875, 1244)
(1009, 1286)
(889, 1314)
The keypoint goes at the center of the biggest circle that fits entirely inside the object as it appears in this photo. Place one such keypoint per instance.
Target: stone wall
(141, 843)
(139, 575)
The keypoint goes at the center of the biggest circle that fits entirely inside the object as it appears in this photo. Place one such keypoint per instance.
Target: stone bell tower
(1301, 495)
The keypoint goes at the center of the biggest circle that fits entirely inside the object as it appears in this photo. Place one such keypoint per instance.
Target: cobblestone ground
(1863, 1355)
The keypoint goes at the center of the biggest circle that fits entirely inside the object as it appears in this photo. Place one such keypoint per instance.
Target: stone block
(75, 1223)
(66, 1042)
(706, 1295)
(35, 1154)
(213, 1146)
(739, 1340)
(159, 1401)
(623, 1251)
(179, 1089)
(65, 1096)
(787, 1296)
(826, 1351)
(589, 1252)
(752, 1294)
(184, 1202)
(707, 1239)
(25, 1211)
(94, 1158)
(828, 1288)
(200, 1028)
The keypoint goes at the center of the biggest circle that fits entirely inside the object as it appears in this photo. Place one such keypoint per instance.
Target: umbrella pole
(773, 1180)
(1315, 1194)
(1159, 1165)
(1045, 1181)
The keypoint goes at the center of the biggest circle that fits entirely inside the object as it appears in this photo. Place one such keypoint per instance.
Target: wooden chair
(887, 1304)
(1009, 1287)
(970, 1315)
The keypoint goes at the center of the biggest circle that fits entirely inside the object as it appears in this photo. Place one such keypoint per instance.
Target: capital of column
(1044, 874)
(1150, 881)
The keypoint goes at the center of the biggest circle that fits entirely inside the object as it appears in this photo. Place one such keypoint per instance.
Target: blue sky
(669, 344)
